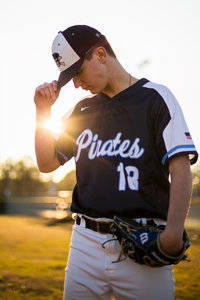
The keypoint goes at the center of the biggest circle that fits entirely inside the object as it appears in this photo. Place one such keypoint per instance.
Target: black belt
(99, 226)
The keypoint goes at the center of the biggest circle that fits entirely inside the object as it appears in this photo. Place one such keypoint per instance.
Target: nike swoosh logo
(83, 108)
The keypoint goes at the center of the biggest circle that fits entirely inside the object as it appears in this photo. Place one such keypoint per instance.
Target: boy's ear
(101, 54)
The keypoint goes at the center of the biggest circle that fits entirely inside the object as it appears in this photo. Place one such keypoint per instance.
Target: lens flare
(54, 125)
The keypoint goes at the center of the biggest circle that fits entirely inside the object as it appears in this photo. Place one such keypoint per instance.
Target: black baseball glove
(141, 243)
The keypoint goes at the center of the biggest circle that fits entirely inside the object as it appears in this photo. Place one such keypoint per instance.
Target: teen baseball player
(133, 152)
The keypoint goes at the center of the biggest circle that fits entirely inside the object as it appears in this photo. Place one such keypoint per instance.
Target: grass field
(33, 256)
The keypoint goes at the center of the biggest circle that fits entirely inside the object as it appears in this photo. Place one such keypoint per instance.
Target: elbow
(43, 168)
(47, 167)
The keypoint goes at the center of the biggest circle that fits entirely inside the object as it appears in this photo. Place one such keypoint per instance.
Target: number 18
(130, 175)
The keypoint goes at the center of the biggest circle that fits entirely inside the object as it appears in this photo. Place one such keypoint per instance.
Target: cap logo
(58, 58)
(69, 50)
(63, 54)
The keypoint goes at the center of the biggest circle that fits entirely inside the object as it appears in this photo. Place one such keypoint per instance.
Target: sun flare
(54, 124)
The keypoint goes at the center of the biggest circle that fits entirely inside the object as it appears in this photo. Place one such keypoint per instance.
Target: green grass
(33, 257)
(195, 201)
(187, 274)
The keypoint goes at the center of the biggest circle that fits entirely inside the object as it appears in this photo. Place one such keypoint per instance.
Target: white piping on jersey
(63, 155)
(111, 147)
(183, 148)
(174, 133)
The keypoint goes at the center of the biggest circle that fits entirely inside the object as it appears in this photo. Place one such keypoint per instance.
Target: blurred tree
(68, 182)
(21, 178)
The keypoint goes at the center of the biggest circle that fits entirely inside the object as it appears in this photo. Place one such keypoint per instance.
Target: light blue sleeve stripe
(174, 149)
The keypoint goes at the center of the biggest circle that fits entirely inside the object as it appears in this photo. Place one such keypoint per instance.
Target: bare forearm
(45, 96)
(45, 150)
(180, 193)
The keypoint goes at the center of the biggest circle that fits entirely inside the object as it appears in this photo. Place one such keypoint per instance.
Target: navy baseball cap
(69, 49)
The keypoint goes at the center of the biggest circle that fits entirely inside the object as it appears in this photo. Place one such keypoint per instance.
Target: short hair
(102, 42)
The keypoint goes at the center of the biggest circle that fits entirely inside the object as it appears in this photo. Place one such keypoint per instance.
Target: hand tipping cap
(69, 49)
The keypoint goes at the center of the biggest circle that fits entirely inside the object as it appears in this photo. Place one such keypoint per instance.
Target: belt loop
(78, 220)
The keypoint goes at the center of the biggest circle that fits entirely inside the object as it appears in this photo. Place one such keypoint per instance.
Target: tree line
(23, 178)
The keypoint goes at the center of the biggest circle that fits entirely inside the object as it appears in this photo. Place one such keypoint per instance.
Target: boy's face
(92, 75)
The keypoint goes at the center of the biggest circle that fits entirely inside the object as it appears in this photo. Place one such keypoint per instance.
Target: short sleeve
(172, 135)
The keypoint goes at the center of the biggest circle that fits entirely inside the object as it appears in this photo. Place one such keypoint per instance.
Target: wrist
(170, 243)
(172, 236)
(41, 117)
(174, 230)
(43, 114)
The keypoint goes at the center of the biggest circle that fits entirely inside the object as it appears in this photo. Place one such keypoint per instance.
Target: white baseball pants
(91, 273)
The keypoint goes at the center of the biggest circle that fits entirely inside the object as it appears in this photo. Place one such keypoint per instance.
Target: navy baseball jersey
(122, 147)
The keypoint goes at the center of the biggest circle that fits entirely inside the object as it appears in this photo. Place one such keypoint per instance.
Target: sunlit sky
(164, 33)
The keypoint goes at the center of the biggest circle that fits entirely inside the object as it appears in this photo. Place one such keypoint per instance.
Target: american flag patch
(188, 136)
